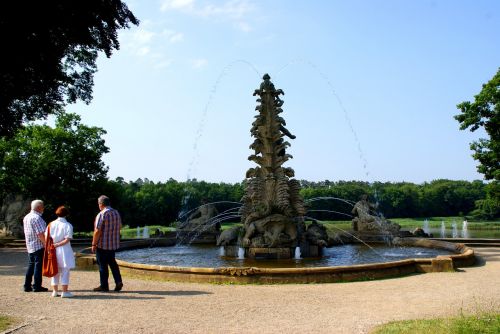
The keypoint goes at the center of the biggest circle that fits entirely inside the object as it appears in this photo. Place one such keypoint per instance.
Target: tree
(61, 165)
(484, 113)
(50, 52)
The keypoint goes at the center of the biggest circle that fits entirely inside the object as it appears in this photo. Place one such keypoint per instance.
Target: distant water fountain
(145, 232)
(426, 226)
(465, 231)
(443, 230)
(138, 235)
(454, 230)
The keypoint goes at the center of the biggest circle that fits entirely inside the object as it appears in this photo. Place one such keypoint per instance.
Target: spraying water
(443, 230)
(454, 231)
(297, 253)
(426, 226)
(222, 251)
(241, 253)
(138, 232)
(145, 232)
(465, 232)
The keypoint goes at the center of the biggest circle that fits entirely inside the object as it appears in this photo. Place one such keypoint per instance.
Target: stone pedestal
(269, 253)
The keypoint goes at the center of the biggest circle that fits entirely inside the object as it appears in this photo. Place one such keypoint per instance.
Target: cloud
(142, 51)
(232, 10)
(173, 36)
(199, 63)
(176, 4)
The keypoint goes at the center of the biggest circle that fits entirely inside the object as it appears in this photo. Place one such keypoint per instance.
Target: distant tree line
(63, 165)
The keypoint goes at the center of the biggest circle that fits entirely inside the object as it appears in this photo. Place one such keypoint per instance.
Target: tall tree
(484, 113)
(50, 51)
(61, 165)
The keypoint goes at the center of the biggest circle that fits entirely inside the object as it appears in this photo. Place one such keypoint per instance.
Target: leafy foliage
(61, 165)
(484, 113)
(51, 52)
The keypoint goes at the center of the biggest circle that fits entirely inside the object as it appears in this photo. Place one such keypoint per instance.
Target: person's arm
(95, 239)
(41, 236)
(62, 243)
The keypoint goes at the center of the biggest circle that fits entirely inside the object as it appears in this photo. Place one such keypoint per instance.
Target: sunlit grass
(6, 322)
(484, 323)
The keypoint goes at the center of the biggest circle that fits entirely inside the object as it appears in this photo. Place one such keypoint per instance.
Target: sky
(371, 87)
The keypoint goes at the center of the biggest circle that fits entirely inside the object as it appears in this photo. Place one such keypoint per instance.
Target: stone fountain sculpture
(199, 226)
(273, 210)
(272, 205)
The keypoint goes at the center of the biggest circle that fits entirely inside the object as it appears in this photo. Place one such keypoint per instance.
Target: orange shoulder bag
(49, 267)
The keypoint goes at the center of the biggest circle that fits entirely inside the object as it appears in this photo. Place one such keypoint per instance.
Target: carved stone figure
(14, 208)
(365, 222)
(316, 234)
(228, 236)
(200, 219)
(272, 202)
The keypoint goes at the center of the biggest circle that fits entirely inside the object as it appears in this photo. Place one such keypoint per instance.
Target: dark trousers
(35, 263)
(106, 258)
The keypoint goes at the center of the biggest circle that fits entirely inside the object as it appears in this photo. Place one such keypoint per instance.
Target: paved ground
(167, 307)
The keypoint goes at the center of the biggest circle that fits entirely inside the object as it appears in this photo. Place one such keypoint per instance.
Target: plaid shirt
(109, 222)
(33, 226)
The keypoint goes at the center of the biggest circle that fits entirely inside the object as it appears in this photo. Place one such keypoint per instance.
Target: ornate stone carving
(272, 204)
(365, 222)
(201, 219)
(14, 208)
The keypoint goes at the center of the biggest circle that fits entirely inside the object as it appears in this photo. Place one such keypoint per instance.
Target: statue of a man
(364, 221)
(201, 217)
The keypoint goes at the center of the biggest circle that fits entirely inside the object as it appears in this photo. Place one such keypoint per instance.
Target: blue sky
(371, 87)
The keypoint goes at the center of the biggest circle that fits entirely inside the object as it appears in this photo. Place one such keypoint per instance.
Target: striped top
(109, 222)
(33, 225)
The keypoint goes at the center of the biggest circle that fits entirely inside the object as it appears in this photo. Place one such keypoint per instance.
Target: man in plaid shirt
(34, 229)
(105, 242)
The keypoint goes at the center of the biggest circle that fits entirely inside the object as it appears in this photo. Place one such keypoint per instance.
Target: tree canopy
(61, 165)
(484, 113)
(50, 51)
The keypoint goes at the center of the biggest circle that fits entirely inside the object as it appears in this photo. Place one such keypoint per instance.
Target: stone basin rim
(464, 257)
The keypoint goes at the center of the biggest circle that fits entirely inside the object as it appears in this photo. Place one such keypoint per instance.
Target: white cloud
(176, 4)
(173, 36)
(142, 51)
(143, 36)
(233, 10)
(163, 63)
(199, 63)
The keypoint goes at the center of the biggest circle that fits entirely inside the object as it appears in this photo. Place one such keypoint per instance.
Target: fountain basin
(461, 256)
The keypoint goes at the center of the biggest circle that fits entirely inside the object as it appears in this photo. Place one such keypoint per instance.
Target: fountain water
(138, 232)
(465, 232)
(454, 230)
(443, 230)
(241, 253)
(426, 226)
(297, 253)
(145, 232)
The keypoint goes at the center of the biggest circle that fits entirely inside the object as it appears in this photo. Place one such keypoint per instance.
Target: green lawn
(484, 323)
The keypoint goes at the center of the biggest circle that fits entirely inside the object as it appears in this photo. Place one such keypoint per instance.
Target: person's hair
(104, 200)
(36, 203)
(62, 211)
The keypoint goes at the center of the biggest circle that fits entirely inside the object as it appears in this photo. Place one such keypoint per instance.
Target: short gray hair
(104, 200)
(35, 204)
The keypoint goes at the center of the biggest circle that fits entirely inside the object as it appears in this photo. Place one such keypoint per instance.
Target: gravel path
(167, 307)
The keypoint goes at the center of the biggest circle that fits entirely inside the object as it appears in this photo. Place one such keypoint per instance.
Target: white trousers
(62, 277)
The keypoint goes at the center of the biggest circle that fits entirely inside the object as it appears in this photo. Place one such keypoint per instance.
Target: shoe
(67, 294)
(55, 293)
(27, 289)
(40, 289)
(101, 289)
(118, 286)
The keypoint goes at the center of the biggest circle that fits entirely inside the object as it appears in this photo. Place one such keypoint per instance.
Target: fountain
(443, 230)
(454, 230)
(465, 232)
(145, 232)
(273, 210)
(275, 243)
(199, 227)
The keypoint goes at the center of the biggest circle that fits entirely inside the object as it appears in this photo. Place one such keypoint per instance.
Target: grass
(6, 322)
(485, 323)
